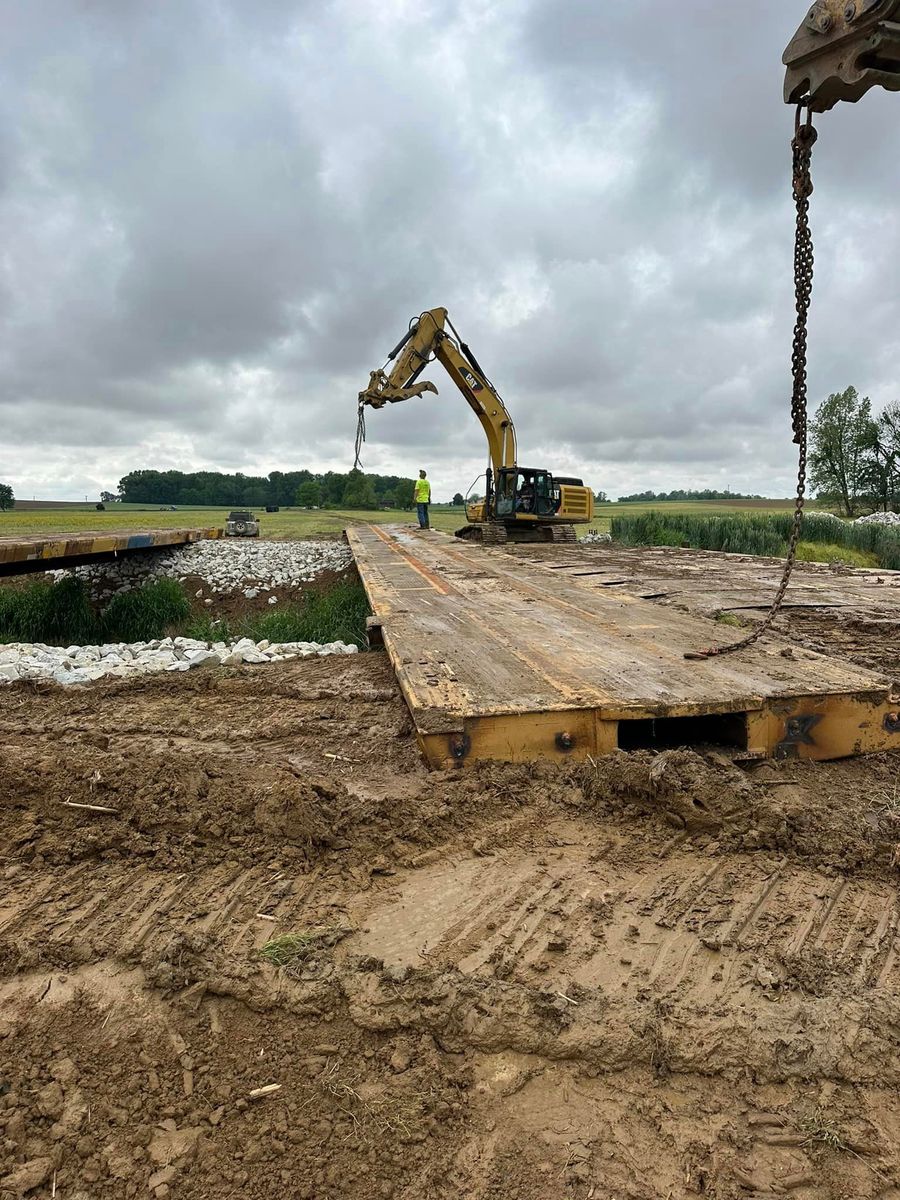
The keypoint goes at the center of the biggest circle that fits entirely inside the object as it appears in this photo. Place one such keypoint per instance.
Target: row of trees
(680, 494)
(7, 499)
(329, 490)
(854, 457)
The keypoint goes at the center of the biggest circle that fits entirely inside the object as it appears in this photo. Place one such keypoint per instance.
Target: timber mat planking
(503, 658)
(708, 582)
(47, 552)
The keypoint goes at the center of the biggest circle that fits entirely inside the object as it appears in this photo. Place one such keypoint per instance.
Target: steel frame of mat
(47, 552)
(501, 658)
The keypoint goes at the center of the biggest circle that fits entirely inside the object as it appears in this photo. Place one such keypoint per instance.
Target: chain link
(805, 136)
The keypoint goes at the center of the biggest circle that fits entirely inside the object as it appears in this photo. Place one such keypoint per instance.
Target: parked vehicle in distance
(241, 524)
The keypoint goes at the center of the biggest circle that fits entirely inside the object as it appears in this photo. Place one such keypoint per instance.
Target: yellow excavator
(521, 504)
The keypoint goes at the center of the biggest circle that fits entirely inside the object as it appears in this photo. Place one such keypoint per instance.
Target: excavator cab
(525, 504)
(525, 495)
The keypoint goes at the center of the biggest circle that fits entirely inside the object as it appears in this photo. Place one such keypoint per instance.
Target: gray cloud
(218, 217)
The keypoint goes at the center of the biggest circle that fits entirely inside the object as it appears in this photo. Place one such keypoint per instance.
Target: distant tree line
(689, 494)
(284, 488)
(854, 457)
(7, 499)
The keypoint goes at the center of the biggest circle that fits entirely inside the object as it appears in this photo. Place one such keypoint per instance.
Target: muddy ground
(656, 977)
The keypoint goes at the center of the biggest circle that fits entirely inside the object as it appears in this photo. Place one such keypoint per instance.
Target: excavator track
(491, 534)
(485, 533)
(561, 534)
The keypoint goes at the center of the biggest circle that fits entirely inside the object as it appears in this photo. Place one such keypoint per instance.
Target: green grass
(61, 614)
(291, 950)
(302, 523)
(206, 628)
(289, 523)
(605, 514)
(825, 553)
(334, 614)
(732, 619)
(824, 540)
(54, 613)
(337, 614)
(146, 613)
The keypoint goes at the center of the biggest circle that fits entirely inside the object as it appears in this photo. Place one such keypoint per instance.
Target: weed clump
(292, 951)
(146, 613)
(60, 614)
(729, 618)
(53, 613)
(337, 614)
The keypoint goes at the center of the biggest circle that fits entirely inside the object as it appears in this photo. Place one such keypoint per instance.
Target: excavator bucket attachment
(842, 49)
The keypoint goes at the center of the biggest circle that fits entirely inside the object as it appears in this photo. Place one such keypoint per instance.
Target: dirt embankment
(662, 976)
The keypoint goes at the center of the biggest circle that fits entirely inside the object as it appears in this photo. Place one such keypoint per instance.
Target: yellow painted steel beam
(814, 728)
(43, 549)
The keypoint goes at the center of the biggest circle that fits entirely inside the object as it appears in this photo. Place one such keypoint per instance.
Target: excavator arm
(427, 341)
(842, 49)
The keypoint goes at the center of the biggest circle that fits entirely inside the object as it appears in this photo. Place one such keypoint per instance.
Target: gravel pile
(594, 536)
(224, 566)
(880, 518)
(85, 664)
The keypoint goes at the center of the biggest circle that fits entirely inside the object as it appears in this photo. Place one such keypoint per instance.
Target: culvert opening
(728, 730)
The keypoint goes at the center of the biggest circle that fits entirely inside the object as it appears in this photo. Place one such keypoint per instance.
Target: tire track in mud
(590, 920)
(695, 934)
(125, 911)
(744, 963)
(632, 1001)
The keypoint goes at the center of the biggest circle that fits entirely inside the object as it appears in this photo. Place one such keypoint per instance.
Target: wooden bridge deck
(47, 552)
(499, 657)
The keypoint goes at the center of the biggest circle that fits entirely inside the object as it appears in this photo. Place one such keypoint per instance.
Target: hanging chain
(360, 437)
(805, 136)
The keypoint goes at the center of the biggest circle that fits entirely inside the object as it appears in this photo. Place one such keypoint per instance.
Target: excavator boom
(842, 49)
(428, 341)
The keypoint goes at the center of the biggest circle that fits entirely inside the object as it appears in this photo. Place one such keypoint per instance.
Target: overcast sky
(217, 216)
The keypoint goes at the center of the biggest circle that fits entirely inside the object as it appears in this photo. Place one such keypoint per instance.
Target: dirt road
(659, 977)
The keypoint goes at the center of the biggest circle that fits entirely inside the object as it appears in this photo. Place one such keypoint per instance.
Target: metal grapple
(842, 49)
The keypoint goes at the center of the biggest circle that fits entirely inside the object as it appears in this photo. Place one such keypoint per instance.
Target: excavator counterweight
(842, 49)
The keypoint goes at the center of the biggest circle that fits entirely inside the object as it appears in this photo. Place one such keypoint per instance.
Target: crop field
(289, 523)
(302, 523)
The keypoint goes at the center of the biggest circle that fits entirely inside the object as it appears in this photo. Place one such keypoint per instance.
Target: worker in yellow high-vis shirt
(422, 497)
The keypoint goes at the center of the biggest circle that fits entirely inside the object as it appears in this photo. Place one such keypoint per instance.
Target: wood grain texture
(480, 637)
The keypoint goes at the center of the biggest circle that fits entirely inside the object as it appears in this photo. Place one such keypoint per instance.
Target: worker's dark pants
(422, 510)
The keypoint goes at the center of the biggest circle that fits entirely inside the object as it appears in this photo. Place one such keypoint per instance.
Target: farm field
(289, 523)
(300, 523)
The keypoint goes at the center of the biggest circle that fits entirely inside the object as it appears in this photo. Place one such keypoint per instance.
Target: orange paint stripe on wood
(442, 588)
